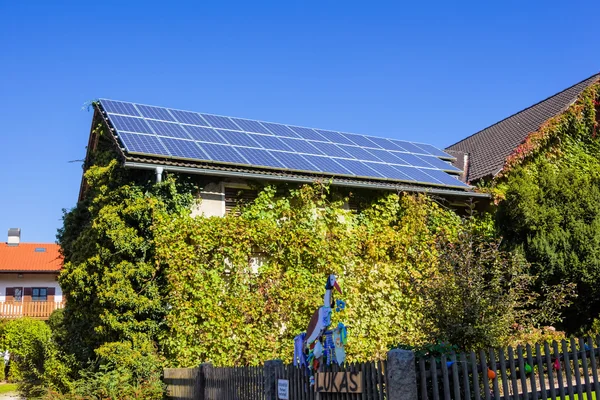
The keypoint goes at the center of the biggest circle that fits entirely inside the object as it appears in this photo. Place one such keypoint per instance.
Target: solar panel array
(189, 135)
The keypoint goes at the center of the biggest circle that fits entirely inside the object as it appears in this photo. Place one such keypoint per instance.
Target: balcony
(31, 309)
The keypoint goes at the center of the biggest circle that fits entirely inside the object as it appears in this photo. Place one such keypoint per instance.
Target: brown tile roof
(25, 258)
(489, 148)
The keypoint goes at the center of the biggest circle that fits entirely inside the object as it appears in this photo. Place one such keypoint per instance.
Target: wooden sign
(338, 382)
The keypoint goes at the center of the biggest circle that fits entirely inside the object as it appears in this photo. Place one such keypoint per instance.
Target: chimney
(14, 236)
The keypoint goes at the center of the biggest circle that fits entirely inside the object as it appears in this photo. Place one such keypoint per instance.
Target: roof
(149, 136)
(489, 148)
(28, 257)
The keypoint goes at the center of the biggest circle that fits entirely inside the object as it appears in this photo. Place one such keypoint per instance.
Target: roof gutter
(246, 175)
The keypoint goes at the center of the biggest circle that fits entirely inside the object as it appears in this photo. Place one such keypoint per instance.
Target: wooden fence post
(271, 368)
(401, 375)
(203, 372)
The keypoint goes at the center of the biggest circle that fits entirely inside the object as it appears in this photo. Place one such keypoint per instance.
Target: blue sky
(432, 71)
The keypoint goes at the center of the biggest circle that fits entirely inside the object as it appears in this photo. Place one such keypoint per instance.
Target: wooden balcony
(31, 309)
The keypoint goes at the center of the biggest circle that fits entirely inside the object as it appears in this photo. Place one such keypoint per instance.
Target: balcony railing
(32, 309)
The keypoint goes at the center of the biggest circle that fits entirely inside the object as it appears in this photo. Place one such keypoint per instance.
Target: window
(235, 197)
(39, 294)
(18, 296)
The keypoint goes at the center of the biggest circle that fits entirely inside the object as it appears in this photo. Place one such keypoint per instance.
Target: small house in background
(29, 278)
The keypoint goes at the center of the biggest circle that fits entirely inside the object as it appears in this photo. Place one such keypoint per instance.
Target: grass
(576, 396)
(8, 387)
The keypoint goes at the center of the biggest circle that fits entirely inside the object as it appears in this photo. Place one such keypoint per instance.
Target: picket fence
(567, 371)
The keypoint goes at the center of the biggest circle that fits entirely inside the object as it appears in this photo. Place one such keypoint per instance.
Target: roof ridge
(596, 75)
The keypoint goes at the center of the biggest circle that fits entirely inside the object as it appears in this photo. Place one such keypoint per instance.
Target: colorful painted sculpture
(318, 345)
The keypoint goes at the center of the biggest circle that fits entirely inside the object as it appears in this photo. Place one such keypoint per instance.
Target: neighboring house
(29, 278)
(483, 154)
(233, 154)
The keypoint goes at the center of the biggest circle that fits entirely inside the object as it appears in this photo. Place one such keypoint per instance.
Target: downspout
(159, 172)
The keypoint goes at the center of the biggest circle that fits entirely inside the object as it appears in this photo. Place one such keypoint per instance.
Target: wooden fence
(237, 383)
(565, 370)
(183, 383)
(32, 309)
(372, 382)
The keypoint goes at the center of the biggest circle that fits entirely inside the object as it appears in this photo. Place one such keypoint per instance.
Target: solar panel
(308, 133)
(212, 138)
(330, 149)
(439, 164)
(168, 129)
(362, 141)
(183, 148)
(130, 124)
(359, 153)
(270, 142)
(301, 146)
(358, 168)
(238, 138)
(325, 164)
(259, 157)
(294, 161)
(280, 130)
(204, 134)
(187, 117)
(145, 144)
(224, 153)
(119, 107)
(156, 113)
(335, 137)
(251, 126)
(220, 122)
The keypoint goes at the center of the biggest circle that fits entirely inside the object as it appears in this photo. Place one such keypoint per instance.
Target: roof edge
(597, 75)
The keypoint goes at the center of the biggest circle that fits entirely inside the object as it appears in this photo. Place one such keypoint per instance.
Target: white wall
(212, 203)
(29, 280)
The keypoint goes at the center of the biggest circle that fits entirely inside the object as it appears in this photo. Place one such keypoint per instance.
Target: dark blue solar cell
(145, 144)
(389, 171)
(361, 140)
(294, 161)
(439, 164)
(328, 165)
(412, 160)
(334, 137)
(239, 138)
(130, 124)
(307, 133)
(221, 152)
(359, 153)
(184, 149)
(358, 168)
(409, 147)
(416, 174)
(259, 157)
(435, 151)
(188, 117)
(251, 126)
(444, 178)
(385, 143)
(204, 134)
(168, 129)
(386, 156)
(280, 130)
(301, 146)
(331, 150)
(119, 107)
(155, 113)
(270, 142)
(220, 122)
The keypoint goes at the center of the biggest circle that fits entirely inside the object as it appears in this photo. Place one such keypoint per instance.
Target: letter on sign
(339, 382)
(283, 389)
